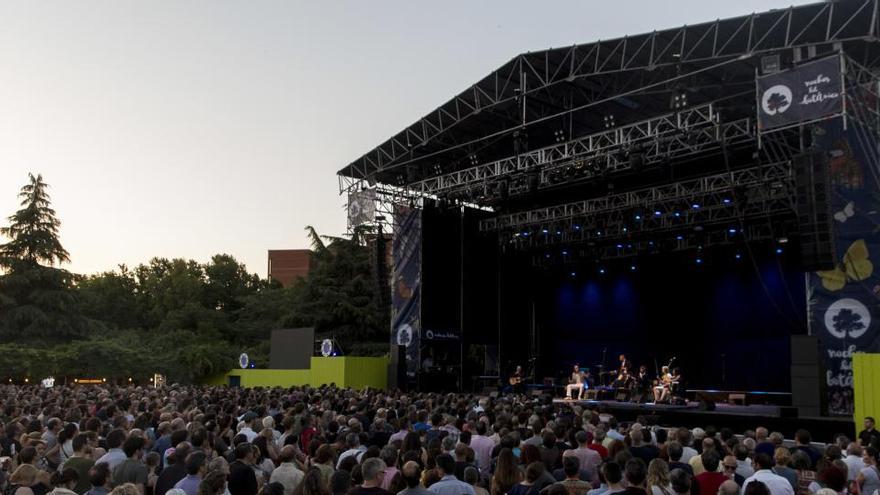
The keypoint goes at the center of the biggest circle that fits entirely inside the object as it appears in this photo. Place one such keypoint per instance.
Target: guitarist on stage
(516, 381)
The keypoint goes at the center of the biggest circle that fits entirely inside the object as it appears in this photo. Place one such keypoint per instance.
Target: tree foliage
(177, 317)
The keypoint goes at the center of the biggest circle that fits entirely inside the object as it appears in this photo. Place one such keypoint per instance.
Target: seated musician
(516, 380)
(576, 383)
(661, 390)
(624, 380)
(675, 385)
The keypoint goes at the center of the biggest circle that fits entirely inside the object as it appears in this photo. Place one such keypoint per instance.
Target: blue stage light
(738, 256)
(695, 206)
(544, 230)
(558, 233)
(577, 227)
(678, 237)
(632, 268)
(677, 214)
(624, 229)
(565, 253)
(699, 261)
(601, 271)
(620, 246)
(573, 274)
(638, 217)
(779, 250)
(726, 201)
(731, 231)
(657, 213)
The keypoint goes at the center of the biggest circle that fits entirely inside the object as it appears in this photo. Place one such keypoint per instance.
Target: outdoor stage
(737, 417)
(701, 198)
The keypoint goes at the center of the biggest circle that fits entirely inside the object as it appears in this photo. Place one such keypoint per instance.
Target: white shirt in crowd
(775, 483)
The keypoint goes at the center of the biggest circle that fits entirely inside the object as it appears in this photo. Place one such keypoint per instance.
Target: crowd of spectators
(188, 440)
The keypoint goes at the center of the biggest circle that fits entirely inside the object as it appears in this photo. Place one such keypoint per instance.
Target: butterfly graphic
(846, 213)
(855, 267)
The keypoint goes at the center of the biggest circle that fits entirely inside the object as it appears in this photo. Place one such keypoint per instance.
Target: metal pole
(461, 300)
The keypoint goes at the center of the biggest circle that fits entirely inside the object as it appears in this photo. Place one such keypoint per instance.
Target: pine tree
(33, 230)
(37, 300)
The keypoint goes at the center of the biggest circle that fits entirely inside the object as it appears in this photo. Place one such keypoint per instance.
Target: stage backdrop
(727, 321)
(406, 298)
(843, 303)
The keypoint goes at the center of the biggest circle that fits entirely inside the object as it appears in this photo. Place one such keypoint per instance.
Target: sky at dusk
(189, 128)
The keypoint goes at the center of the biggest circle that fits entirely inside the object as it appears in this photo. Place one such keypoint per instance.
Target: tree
(37, 300)
(33, 230)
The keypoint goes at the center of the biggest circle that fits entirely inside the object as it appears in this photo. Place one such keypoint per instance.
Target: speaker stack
(815, 221)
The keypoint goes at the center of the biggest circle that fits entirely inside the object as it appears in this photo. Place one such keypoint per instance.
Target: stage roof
(543, 97)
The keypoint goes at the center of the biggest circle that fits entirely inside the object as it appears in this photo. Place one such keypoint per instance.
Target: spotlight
(638, 217)
(699, 261)
(577, 227)
(598, 232)
(676, 214)
(678, 237)
(782, 240)
(544, 231)
(695, 206)
(731, 231)
(738, 256)
(624, 229)
(559, 135)
(546, 255)
(620, 246)
(657, 213)
(601, 271)
(609, 121)
(779, 250)
(632, 268)
(573, 274)
(565, 253)
(525, 234)
(726, 201)
(558, 233)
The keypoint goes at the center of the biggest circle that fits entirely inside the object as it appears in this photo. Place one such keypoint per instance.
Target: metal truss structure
(536, 87)
(707, 238)
(727, 199)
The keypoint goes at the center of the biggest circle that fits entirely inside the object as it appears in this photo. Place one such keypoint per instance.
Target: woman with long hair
(658, 478)
(507, 473)
(312, 484)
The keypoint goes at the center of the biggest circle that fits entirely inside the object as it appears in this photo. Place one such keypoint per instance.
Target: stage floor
(734, 416)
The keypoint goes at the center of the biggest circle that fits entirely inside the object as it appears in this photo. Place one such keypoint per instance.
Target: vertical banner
(806, 93)
(406, 297)
(844, 303)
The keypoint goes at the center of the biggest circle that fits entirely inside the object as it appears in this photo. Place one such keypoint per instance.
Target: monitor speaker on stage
(815, 221)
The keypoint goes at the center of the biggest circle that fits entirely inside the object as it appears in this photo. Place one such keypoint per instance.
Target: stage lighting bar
(711, 238)
(664, 198)
(672, 129)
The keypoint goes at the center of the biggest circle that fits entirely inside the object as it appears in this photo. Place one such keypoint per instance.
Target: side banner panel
(844, 303)
(807, 92)
(406, 299)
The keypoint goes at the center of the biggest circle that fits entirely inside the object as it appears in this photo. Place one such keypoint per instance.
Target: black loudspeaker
(706, 403)
(815, 221)
(806, 375)
(397, 367)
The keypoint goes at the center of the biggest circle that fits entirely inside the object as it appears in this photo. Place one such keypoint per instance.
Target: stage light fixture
(657, 213)
(544, 231)
(620, 246)
(624, 229)
(678, 237)
(577, 227)
(676, 214)
(782, 240)
(601, 271)
(609, 121)
(573, 274)
(559, 135)
(638, 217)
(699, 261)
(558, 232)
(731, 231)
(565, 253)
(695, 206)
(738, 256)
(779, 250)
(726, 201)
(632, 268)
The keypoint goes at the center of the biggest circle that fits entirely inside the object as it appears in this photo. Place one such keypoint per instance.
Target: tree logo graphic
(847, 319)
(404, 335)
(776, 99)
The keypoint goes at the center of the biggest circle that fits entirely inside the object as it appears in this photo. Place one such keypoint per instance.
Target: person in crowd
(115, 455)
(99, 479)
(800, 461)
(131, 470)
(645, 451)
(803, 443)
(869, 477)
(196, 467)
(572, 483)
(313, 484)
(681, 481)
(214, 483)
(728, 467)
(853, 460)
(449, 484)
(777, 485)
(675, 451)
(529, 486)
(658, 478)
(710, 479)
(507, 474)
(64, 481)
(412, 475)
(782, 458)
(472, 477)
(635, 474)
(869, 437)
(242, 478)
(287, 473)
(80, 461)
(729, 487)
(373, 472)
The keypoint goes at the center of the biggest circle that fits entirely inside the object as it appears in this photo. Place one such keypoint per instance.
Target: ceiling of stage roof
(570, 90)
